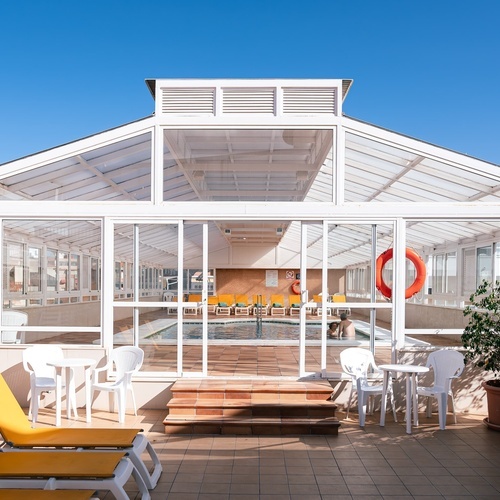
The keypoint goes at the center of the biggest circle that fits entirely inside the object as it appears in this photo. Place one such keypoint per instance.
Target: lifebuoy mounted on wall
(296, 287)
(417, 284)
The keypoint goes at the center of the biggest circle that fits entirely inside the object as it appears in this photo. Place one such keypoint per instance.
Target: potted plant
(481, 338)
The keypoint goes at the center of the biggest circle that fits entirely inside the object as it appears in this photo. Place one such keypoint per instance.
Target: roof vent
(310, 100)
(249, 100)
(188, 100)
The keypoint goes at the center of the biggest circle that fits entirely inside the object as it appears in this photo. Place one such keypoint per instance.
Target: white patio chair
(13, 318)
(126, 361)
(356, 362)
(42, 376)
(447, 365)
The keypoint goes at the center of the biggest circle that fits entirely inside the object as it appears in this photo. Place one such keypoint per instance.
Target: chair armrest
(96, 371)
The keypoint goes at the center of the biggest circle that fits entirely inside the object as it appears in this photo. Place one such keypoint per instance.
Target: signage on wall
(290, 275)
(271, 278)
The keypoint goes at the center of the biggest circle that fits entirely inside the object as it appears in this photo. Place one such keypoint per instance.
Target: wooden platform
(254, 407)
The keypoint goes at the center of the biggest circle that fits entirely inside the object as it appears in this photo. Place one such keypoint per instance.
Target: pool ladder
(258, 317)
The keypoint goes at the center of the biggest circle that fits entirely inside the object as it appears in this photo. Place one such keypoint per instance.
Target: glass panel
(484, 263)
(451, 272)
(95, 278)
(438, 283)
(34, 269)
(355, 322)
(497, 262)
(62, 271)
(377, 171)
(14, 267)
(192, 350)
(50, 276)
(248, 165)
(117, 172)
(468, 271)
(157, 250)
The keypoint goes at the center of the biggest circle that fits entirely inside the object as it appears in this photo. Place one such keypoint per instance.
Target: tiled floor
(461, 462)
(458, 463)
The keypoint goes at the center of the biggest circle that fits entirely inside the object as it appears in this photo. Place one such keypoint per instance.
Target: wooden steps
(263, 407)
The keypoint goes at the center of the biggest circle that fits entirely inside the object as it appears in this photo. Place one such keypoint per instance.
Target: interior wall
(78, 314)
(253, 281)
(423, 316)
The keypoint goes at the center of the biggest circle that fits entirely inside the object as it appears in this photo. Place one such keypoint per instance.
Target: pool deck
(459, 463)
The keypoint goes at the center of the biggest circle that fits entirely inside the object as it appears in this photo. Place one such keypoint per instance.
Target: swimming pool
(246, 330)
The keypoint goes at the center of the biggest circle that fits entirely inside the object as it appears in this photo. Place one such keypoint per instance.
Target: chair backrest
(446, 364)
(278, 299)
(35, 359)
(226, 298)
(12, 416)
(294, 300)
(241, 299)
(318, 299)
(126, 359)
(12, 318)
(212, 300)
(339, 298)
(194, 297)
(356, 361)
(262, 298)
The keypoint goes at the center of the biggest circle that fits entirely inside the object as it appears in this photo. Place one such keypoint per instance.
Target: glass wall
(47, 273)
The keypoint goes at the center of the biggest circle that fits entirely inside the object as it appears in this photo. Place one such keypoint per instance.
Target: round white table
(69, 364)
(411, 372)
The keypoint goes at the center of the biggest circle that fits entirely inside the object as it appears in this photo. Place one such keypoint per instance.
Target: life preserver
(296, 287)
(417, 284)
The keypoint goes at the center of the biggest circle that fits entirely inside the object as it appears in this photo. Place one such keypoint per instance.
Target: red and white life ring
(417, 284)
(296, 287)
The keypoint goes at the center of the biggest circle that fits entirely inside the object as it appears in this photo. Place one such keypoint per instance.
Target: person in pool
(332, 329)
(346, 327)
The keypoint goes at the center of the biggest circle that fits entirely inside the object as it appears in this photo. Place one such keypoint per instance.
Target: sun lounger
(241, 305)
(81, 470)
(318, 299)
(212, 303)
(172, 310)
(226, 304)
(294, 303)
(278, 305)
(30, 494)
(196, 307)
(18, 434)
(260, 305)
(338, 299)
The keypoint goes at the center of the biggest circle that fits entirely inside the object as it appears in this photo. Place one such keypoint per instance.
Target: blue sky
(428, 69)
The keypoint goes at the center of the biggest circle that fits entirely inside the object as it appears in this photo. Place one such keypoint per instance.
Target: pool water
(246, 331)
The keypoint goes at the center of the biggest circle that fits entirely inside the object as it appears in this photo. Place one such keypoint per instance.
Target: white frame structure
(171, 161)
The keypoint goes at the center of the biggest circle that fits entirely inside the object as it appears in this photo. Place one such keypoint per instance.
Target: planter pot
(493, 399)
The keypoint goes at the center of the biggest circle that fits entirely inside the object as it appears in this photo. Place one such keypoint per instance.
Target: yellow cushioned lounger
(278, 305)
(19, 494)
(66, 470)
(18, 434)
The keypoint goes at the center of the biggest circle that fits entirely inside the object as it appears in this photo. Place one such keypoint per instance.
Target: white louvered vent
(188, 100)
(252, 100)
(310, 100)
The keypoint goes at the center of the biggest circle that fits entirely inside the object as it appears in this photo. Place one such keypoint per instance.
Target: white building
(240, 186)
